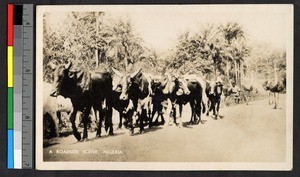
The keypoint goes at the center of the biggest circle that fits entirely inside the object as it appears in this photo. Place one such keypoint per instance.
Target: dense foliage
(96, 41)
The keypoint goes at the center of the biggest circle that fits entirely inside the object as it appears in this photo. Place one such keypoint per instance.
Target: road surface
(246, 133)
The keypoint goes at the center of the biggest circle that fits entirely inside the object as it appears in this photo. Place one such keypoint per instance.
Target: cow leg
(153, 114)
(108, 119)
(120, 123)
(174, 114)
(58, 115)
(101, 116)
(132, 122)
(271, 95)
(276, 96)
(162, 119)
(209, 107)
(55, 120)
(141, 115)
(151, 118)
(127, 118)
(218, 107)
(161, 114)
(193, 114)
(198, 111)
(85, 121)
(213, 107)
(179, 123)
(74, 128)
(149, 115)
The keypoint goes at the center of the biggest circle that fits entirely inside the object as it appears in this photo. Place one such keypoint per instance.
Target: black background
(32, 173)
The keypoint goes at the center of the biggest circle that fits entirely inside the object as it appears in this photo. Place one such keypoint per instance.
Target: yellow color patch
(10, 66)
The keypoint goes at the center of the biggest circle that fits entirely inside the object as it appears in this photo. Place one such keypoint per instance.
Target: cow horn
(117, 72)
(68, 65)
(135, 73)
(71, 74)
(53, 65)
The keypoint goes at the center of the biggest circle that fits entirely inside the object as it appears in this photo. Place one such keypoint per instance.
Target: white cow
(52, 105)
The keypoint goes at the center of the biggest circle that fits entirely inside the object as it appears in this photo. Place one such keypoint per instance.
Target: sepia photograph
(164, 87)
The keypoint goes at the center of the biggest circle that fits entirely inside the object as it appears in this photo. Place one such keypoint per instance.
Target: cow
(166, 93)
(213, 92)
(136, 88)
(247, 92)
(273, 91)
(86, 89)
(190, 91)
(162, 88)
(53, 107)
(122, 106)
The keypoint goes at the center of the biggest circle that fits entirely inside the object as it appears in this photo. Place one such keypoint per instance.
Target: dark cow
(247, 92)
(121, 106)
(169, 88)
(137, 89)
(192, 96)
(163, 90)
(180, 91)
(86, 89)
(273, 91)
(214, 92)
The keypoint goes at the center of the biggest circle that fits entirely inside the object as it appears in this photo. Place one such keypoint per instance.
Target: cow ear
(136, 73)
(68, 65)
(117, 72)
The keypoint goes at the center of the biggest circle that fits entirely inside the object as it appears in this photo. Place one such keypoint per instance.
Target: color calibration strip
(10, 104)
(20, 86)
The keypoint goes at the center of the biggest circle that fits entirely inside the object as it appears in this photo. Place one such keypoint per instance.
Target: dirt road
(246, 133)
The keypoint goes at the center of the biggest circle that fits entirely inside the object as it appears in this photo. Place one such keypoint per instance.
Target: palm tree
(232, 31)
(211, 37)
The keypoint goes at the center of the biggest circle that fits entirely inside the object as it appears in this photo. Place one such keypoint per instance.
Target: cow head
(183, 86)
(62, 76)
(168, 84)
(266, 85)
(214, 88)
(126, 82)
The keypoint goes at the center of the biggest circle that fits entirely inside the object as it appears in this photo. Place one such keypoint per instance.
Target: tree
(233, 32)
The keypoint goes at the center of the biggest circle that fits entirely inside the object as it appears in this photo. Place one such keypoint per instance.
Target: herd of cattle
(137, 96)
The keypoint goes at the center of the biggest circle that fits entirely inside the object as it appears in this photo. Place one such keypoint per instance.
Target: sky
(160, 26)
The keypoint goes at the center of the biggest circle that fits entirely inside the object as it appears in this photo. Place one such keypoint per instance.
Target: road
(246, 133)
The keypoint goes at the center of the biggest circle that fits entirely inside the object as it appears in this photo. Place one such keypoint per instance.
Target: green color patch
(10, 108)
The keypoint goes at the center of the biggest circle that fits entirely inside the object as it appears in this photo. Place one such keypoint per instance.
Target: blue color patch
(10, 149)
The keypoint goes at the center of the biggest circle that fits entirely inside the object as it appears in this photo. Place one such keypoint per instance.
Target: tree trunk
(215, 68)
(96, 58)
(235, 70)
(97, 34)
(227, 69)
(275, 74)
(126, 62)
(252, 77)
(241, 72)
(125, 56)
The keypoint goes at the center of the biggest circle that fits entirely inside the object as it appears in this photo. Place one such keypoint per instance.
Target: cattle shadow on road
(187, 125)
(148, 130)
(105, 136)
(49, 143)
(214, 118)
